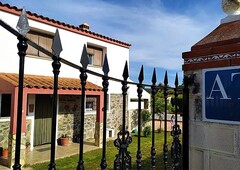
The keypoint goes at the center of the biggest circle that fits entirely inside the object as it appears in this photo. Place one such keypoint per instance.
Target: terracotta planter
(5, 153)
(64, 141)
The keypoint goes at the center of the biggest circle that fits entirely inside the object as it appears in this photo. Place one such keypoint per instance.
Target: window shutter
(30, 49)
(97, 58)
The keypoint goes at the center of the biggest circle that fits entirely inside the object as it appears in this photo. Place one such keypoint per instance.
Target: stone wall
(5, 129)
(8, 140)
(28, 130)
(12, 145)
(4, 132)
(69, 124)
(114, 117)
(69, 118)
(212, 145)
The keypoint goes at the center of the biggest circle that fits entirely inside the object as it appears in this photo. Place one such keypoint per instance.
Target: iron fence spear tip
(154, 77)
(105, 68)
(84, 58)
(141, 76)
(57, 45)
(166, 79)
(125, 71)
(22, 25)
(176, 80)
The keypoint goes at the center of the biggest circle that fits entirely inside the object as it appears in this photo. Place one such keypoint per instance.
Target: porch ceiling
(46, 82)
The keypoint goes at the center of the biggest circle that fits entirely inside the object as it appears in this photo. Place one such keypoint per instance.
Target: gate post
(23, 28)
(212, 73)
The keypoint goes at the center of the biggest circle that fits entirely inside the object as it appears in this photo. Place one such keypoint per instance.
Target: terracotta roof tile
(224, 34)
(40, 18)
(46, 82)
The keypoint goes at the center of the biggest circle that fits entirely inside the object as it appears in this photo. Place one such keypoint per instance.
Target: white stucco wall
(72, 44)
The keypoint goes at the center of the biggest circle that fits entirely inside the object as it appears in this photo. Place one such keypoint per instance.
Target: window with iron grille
(42, 39)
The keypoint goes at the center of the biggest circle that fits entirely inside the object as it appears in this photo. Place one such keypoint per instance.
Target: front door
(42, 125)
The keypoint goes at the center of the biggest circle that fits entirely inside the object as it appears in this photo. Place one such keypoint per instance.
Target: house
(38, 82)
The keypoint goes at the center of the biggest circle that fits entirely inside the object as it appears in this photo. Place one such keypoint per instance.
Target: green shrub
(159, 130)
(146, 115)
(147, 131)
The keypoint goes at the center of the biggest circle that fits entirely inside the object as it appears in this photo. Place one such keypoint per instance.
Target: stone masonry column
(214, 101)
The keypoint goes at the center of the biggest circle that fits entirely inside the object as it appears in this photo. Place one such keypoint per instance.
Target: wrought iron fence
(124, 139)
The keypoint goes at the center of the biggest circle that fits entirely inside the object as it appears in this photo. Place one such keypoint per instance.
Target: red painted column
(13, 121)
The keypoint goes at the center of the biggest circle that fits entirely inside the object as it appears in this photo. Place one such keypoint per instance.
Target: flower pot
(5, 153)
(64, 141)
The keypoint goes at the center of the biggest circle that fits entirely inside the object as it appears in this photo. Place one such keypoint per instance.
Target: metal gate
(179, 153)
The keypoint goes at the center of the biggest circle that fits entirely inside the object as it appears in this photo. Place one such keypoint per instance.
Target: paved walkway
(42, 153)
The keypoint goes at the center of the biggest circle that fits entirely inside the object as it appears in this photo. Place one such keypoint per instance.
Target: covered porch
(37, 101)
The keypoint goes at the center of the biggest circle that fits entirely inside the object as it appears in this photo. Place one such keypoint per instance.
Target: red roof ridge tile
(14, 10)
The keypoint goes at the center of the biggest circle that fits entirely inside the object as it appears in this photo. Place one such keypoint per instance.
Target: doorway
(43, 120)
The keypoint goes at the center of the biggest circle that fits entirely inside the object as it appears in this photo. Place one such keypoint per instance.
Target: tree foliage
(160, 103)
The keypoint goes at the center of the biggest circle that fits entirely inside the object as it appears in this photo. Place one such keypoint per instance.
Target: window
(5, 105)
(95, 55)
(145, 103)
(42, 39)
(91, 103)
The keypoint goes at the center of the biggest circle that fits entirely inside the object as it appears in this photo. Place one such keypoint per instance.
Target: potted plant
(64, 140)
(5, 151)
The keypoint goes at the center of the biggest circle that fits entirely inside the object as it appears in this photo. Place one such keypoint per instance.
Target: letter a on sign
(221, 95)
(218, 87)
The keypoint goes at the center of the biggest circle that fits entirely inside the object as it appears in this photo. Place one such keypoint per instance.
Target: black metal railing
(124, 139)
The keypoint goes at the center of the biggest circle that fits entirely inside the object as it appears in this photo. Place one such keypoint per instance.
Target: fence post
(83, 77)
(165, 145)
(186, 123)
(139, 91)
(57, 48)
(176, 131)
(105, 90)
(23, 28)
(154, 92)
(123, 158)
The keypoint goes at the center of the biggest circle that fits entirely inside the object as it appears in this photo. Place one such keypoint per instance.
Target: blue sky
(159, 30)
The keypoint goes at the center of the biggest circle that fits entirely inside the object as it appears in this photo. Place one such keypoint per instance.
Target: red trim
(235, 62)
(211, 51)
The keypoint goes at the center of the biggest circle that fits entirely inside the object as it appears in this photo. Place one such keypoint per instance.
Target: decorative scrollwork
(211, 58)
(123, 158)
(176, 147)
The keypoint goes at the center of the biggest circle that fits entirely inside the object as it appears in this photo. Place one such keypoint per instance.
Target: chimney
(84, 26)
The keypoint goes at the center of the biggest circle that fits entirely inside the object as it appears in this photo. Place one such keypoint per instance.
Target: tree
(160, 103)
(145, 117)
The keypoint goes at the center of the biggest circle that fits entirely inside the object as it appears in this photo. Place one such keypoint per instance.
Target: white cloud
(158, 38)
